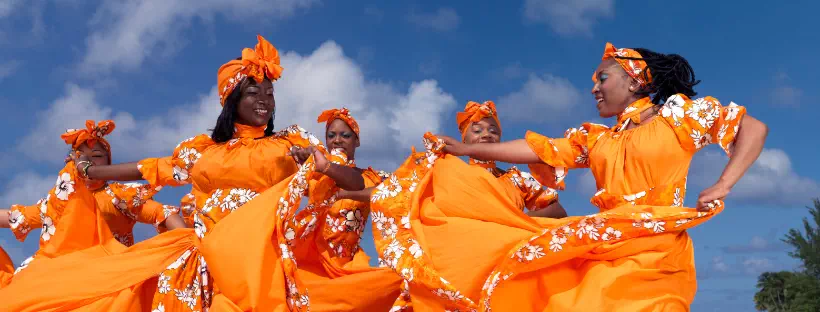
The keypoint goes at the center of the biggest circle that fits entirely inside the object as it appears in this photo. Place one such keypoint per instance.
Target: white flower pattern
(64, 186)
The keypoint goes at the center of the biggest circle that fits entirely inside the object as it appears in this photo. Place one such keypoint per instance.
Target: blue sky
(405, 68)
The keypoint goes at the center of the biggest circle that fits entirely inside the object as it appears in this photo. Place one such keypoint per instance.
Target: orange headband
(475, 112)
(91, 135)
(257, 63)
(634, 68)
(330, 115)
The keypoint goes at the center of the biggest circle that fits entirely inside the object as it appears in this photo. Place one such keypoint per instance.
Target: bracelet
(84, 170)
(80, 163)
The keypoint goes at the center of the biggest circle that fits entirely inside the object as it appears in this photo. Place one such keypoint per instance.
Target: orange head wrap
(330, 115)
(91, 135)
(634, 68)
(475, 112)
(256, 63)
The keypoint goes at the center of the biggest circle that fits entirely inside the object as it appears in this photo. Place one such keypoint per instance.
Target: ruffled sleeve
(559, 155)
(372, 177)
(298, 136)
(23, 219)
(174, 170)
(703, 121)
(535, 195)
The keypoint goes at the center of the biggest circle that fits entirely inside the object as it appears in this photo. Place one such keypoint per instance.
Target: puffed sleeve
(23, 219)
(174, 170)
(535, 195)
(703, 121)
(560, 154)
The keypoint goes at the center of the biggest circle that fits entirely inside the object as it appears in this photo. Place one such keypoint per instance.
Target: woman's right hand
(453, 146)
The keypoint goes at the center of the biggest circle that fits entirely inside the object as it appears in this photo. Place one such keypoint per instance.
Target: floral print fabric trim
(400, 251)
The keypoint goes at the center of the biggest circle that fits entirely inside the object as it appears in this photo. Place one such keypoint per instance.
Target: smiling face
(483, 131)
(614, 89)
(340, 135)
(256, 105)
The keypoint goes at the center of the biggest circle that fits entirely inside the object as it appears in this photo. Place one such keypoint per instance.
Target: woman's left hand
(711, 194)
(301, 155)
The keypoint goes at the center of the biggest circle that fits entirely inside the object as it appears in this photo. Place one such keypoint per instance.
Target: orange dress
(166, 272)
(313, 260)
(6, 268)
(536, 197)
(464, 243)
(80, 266)
(120, 205)
(224, 177)
(343, 226)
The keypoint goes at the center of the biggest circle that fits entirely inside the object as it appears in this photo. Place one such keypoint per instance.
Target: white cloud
(755, 266)
(586, 183)
(784, 93)
(26, 188)
(8, 68)
(127, 32)
(750, 266)
(443, 19)
(311, 83)
(388, 118)
(757, 244)
(718, 265)
(541, 98)
(7, 6)
(568, 17)
(770, 180)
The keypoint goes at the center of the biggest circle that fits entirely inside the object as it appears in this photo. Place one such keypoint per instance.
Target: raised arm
(4, 218)
(347, 178)
(514, 152)
(119, 172)
(748, 144)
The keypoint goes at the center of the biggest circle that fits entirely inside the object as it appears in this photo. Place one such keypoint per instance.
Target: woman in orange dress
(479, 123)
(343, 225)
(323, 239)
(243, 159)
(122, 205)
(634, 255)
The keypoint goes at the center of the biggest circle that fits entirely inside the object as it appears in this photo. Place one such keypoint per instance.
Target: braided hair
(224, 129)
(671, 74)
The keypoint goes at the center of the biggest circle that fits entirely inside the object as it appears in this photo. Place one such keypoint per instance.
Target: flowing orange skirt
(460, 239)
(259, 265)
(251, 256)
(6, 268)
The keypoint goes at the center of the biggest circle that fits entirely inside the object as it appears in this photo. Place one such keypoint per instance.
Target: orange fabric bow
(256, 63)
(634, 68)
(475, 112)
(330, 115)
(91, 135)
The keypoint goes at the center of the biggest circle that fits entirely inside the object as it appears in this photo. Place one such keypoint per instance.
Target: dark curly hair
(671, 74)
